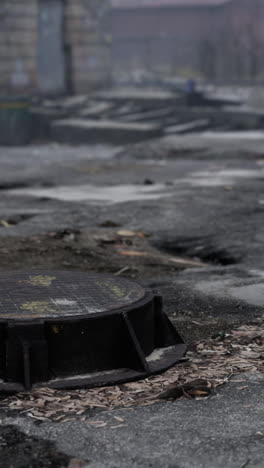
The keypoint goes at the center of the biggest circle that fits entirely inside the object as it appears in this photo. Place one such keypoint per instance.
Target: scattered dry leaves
(211, 364)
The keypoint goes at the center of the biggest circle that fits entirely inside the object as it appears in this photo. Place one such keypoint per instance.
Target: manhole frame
(19, 343)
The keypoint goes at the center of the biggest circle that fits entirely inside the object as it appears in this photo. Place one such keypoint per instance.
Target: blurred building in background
(53, 46)
(57, 46)
(209, 39)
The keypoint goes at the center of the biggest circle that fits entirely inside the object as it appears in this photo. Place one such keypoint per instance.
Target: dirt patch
(93, 250)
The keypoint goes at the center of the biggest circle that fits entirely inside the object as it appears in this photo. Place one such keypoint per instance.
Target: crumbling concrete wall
(88, 43)
(84, 44)
(18, 39)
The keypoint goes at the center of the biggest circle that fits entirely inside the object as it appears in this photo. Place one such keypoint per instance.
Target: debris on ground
(207, 366)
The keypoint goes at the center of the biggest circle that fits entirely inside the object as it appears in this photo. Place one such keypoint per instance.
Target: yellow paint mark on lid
(40, 280)
(116, 290)
(38, 307)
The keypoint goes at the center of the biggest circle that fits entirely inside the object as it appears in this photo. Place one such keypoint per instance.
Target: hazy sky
(134, 3)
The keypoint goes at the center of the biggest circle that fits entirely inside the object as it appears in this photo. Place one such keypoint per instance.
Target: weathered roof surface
(160, 3)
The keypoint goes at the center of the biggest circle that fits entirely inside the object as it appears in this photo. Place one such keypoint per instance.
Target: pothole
(201, 248)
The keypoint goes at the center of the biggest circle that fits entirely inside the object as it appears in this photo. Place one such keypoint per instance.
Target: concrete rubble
(129, 115)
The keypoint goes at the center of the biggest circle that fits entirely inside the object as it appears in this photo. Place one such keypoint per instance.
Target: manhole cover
(71, 329)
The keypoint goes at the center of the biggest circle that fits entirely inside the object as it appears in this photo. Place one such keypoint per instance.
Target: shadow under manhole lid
(70, 329)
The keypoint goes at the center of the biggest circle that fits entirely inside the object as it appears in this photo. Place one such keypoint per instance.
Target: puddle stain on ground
(133, 192)
(235, 135)
(252, 294)
(226, 177)
(105, 194)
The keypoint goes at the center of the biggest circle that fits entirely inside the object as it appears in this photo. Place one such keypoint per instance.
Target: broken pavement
(182, 214)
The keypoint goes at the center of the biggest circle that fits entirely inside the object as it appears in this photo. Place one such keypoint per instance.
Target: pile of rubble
(128, 115)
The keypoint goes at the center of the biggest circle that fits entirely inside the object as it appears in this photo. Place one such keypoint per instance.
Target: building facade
(211, 39)
(53, 46)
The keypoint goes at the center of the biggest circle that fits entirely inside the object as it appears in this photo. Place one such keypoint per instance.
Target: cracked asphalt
(196, 197)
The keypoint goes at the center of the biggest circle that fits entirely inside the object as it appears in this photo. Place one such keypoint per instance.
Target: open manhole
(71, 329)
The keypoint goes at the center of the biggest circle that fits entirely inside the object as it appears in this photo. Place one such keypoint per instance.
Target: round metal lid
(52, 294)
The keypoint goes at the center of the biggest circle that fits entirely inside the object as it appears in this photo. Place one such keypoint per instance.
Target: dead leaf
(127, 233)
(194, 388)
(119, 419)
(123, 270)
(4, 223)
(98, 423)
(76, 463)
(99, 426)
(250, 354)
(198, 393)
(133, 253)
(187, 262)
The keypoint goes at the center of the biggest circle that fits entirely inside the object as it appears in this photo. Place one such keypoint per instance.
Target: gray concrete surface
(227, 430)
(93, 131)
(198, 197)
